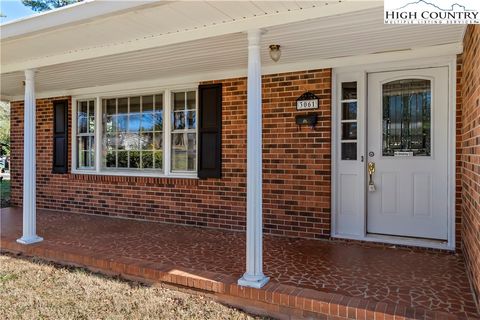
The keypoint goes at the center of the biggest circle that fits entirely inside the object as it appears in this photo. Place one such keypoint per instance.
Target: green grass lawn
(35, 289)
(4, 193)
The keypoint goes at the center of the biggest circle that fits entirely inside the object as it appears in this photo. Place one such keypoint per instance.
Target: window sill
(136, 177)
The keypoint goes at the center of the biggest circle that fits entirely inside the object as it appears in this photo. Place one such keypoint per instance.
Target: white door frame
(359, 74)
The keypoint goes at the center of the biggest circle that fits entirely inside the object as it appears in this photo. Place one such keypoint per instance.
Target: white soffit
(309, 44)
(158, 24)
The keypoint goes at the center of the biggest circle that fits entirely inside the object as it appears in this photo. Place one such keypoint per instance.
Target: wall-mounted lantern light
(275, 52)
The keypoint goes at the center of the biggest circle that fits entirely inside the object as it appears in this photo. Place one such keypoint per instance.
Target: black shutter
(210, 131)
(60, 136)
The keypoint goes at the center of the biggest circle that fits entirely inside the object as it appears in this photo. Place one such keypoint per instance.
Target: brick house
(361, 130)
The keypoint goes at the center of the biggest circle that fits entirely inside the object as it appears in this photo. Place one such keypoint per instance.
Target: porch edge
(283, 301)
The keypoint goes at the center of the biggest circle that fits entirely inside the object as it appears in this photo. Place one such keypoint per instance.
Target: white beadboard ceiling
(158, 19)
(352, 34)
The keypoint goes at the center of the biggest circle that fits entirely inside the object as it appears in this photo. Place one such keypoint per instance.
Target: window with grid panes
(85, 134)
(133, 132)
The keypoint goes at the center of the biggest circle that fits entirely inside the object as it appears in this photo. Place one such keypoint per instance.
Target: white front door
(407, 140)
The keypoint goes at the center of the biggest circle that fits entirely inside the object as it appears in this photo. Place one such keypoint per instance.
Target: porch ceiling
(321, 39)
(144, 26)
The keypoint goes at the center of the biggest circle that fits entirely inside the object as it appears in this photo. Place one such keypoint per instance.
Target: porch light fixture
(275, 52)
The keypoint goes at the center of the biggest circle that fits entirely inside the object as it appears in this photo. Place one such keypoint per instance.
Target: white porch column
(254, 276)
(29, 171)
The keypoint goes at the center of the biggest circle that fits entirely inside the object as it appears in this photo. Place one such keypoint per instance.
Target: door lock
(371, 171)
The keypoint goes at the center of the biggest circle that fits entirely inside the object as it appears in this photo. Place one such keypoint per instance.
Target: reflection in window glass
(349, 151)
(158, 121)
(178, 120)
(407, 117)
(349, 90)
(134, 122)
(131, 127)
(349, 111)
(158, 159)
(349, 131)
(147, 103)
(82, 112)
(191, 97)
(111, 105)
(122, 106)
(147, 159)
(146, 141)
(111, 159)
(134, 159)
(179, 101)
(91, 117)
(122, 161)
(184, 137)
(134, 105)
(191, 120)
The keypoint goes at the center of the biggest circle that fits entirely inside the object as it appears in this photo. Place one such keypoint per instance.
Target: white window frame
(167, 132)
(170, 132)
(101, 99)
(74, 140)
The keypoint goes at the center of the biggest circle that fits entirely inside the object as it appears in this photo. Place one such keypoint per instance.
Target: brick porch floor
(309, 278)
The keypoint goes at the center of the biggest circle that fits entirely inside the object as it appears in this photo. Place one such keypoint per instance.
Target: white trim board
(432, 54)
(360, 73)
(401, 241)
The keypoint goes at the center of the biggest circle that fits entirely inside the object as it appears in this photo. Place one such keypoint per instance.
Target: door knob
(371, 168)
(371, 171)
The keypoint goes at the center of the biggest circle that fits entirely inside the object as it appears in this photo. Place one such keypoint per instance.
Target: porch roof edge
(68, 15)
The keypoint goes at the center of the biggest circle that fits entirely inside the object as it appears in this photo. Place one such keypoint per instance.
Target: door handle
(371, 171)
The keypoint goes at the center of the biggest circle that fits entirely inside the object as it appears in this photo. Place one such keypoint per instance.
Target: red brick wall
(470, 157)
(296, 168)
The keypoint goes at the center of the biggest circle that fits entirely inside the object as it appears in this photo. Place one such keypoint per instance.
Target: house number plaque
(307, 101)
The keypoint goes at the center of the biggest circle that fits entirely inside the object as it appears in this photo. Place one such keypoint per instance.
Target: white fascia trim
(8, 98)
(367, 59)
(138, 87)
(464, 31)
(259, 22)
(68, 15)
(347, 62)
(429, 55)
(452, 152)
